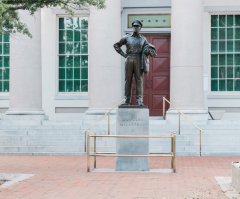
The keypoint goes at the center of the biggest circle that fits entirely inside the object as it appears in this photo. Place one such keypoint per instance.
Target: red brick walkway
(66, 177)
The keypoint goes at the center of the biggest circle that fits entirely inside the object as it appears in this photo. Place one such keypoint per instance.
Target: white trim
(222, 9)
(59, 11)
(71, 97)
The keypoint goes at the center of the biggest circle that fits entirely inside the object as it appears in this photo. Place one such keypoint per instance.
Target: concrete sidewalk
(65, 177)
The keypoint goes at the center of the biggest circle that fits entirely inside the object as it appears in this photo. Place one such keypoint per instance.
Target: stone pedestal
(132, 121)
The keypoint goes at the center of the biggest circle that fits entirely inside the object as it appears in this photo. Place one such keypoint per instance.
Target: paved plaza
(66, 177)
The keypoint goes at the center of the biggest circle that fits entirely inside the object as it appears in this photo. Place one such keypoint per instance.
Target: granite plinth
(132, 106)
(132, 121)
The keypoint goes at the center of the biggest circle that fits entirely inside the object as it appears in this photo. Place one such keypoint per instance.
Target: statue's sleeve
(118, 46)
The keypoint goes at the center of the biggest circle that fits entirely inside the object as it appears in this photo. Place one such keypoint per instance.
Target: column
(105, 62)
(186, 88)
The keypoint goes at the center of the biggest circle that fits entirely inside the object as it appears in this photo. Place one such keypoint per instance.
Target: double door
(156, 84)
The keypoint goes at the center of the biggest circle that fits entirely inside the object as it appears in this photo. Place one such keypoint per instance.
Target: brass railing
(107, 113)
(171, 154)
(179, 113)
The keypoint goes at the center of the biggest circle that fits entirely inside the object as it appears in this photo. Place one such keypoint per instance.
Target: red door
(156, 84)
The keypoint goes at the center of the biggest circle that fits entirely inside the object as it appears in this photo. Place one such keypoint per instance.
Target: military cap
(137, 22)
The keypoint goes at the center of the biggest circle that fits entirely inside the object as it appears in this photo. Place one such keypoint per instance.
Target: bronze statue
(137, 63)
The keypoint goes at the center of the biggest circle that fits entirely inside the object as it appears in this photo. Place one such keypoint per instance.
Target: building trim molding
(221, 8)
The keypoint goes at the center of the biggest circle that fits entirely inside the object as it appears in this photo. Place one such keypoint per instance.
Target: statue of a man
(137, 63)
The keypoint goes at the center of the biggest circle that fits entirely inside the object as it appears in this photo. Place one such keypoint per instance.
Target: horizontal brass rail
(112, 155)
(149, 153)
(135, 136)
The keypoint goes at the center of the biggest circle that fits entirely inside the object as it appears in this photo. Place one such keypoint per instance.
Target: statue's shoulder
(127, 35)
(142, 37)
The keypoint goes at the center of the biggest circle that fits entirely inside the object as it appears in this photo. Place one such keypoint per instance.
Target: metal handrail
(164, 117)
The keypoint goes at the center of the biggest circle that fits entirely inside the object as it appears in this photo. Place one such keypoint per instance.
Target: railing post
(88, 157)
(85, 141)
(179, 123)
(95, 146)
(174, 154)
(200, 143)
(164, 108)
(109, 123)
(172, 151)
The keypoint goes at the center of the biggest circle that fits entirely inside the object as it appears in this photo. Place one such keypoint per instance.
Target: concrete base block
(217, 115)
(236, 175)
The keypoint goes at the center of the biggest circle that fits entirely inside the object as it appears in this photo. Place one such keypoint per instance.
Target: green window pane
(214, 21)
(6, 37)
(214, 60)
(76, 23)
(237, 72)
(229, 46)
(0, 86)
(230, 33)
(0, 48)
(237, 46)
(61, 86)
(76, 48)
(76, 35)
(69, 48)
(69, 86)
(229, 59)
(76, 85)
(61, 73)
(222, 20)
(76, 73)
(69, 35)
(222, 72)
(84, 23)
(214, 85)
(0, 37)
(69, 61)
(237, 59)
(61, 61)
(76, 61)
(229, 85)
(1, 60)
(6, 61)
(68, 22)
(84, 48)
(6, 86)
(84, 35)
(222, 33)
(84, 61)
(69, 72)
(222, 46)
(222, 85)
(214, 33)
(84, 85)
(84, 73)
(230, 20)
(61, 23)
(6, 48)
(6, 74)
(0, 74)
(229, 72)
(237, 85)
(237, 20)
(61, 48)
(237, 33)
(62, 35)
(214, 72)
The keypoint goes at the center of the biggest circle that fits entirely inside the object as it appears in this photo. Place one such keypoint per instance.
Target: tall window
(225, 53)
(4, 62)
(73, 54)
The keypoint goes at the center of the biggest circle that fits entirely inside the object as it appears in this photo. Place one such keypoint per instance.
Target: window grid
(225, 53)
(73, 54)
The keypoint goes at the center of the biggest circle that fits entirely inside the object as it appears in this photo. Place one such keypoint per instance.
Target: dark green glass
(6, 48)
(76, 61)
(69, 72)
(6, 37)
(237, 72)
(229, 59)
(229, 20)
(237, 33)
(214, 21)
(61, 61)
(0, 48)
(222, 33)
(76, 48)
(6, 86)
(214, 33)
(76, 35)
(229, 85)
(84, 73)
(76, 23)
(84, 35)
(61, 86)
(84, 48)
(222, 47)
(84, 61)
(84, 85)
(69, 86)
(84, 23)
(68, 23)
(0, 86)
(237, 20)
(76, 73)
(237, 46)
(61, 48)
(236, 85)
(214, 85)
(6, 74)
(62, 35)
(214, 72)
(214, 60)
(222, 85)
(222, 20)
(69, 35)
(237, 59)
(1, 61)
(69, 61)
(229, 72)
(61, 73)
(0, 37)
(61, 23)
(69, 48)
(1, 74)
(229, 46)
(76, 85)
(222, 72)
(230, 33)
(6, 61)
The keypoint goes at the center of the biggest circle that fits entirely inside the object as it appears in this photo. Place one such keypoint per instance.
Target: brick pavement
(66, 177)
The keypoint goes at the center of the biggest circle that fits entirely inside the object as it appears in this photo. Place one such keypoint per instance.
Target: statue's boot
(127, 102)
(140, 101)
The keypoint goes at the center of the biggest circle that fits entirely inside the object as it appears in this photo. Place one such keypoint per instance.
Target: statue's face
(136, 28)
